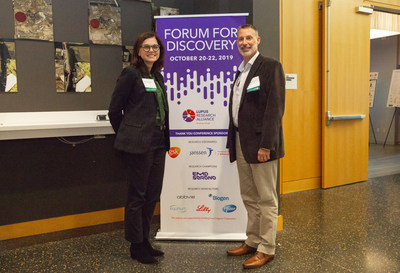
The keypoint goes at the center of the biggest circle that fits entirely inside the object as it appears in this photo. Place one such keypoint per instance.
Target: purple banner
(201, 56)
(200, 64)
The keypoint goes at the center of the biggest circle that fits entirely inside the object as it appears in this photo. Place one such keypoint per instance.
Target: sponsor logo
(201, 116)
(203, 208)
(203, 176)
(229, 208)
(174, 152)
(185, 197)
(188, 115)
(208, 152)
(205, 116)
(177, 209)
(218, 198)
(202, 141)
(226, 152)
(197, 153)
(202, 166)
(202, 189)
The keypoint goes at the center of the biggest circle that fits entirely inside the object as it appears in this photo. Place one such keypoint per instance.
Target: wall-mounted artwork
(33, 19)
(165, 11)
(105, 22)
(72, 63)
(127, 52)
(8, 67)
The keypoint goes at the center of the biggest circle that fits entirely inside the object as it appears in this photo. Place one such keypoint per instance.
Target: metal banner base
(201, 236)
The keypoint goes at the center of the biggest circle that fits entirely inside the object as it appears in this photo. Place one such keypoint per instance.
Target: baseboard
(61, 223)
(37, 227)
(280, 223)
(301, 185)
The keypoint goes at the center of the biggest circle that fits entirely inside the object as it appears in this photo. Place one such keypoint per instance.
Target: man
(255, 140)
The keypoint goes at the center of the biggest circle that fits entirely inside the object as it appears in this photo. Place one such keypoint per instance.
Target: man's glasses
(155, 48)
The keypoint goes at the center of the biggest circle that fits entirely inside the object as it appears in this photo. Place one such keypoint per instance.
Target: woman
(139, 116)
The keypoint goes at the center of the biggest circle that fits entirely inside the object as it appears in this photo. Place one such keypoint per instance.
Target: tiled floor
(354, 228)
(383, 160)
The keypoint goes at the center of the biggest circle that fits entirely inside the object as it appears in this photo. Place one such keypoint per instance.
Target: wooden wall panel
(301, 55)
(385, 21)
(394, 4)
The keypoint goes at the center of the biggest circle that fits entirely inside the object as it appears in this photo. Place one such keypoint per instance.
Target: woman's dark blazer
(133, 111)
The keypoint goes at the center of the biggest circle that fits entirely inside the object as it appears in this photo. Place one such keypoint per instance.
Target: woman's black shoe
(140, 253)
(151, 250)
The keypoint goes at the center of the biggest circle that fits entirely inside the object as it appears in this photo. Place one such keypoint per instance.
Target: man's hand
(263, 155)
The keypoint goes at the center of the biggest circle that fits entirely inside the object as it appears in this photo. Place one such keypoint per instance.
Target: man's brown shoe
(259, 259)
(241, 250)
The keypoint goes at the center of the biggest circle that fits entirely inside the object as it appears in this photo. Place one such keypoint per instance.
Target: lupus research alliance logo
(174, 152)
(202, 116)
(188, 115)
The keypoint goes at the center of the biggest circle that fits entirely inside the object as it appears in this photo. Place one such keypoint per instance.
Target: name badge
(150, 85)
(254, 85)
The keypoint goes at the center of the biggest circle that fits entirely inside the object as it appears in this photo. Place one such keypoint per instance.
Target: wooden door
(345, 81)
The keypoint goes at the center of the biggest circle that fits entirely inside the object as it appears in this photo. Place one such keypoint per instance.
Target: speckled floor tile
(354, 228)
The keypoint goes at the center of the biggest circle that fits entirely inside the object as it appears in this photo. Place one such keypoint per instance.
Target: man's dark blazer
(133, 111)
(260, 112)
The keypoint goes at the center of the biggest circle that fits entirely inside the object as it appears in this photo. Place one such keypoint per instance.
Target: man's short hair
(249, 26)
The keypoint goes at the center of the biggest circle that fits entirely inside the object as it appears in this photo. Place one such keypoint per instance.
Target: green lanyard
(162, 104)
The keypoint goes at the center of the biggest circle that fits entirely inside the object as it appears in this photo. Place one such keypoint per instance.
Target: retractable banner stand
(201, 196)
